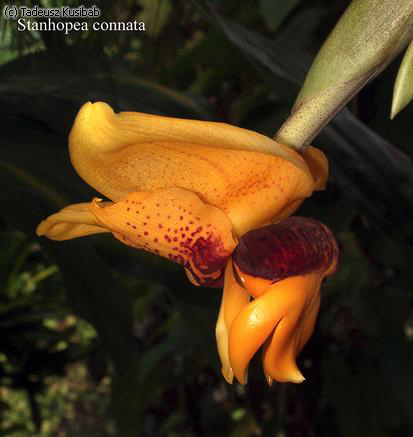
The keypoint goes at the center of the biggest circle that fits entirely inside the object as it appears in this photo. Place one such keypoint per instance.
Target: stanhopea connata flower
(186, 190)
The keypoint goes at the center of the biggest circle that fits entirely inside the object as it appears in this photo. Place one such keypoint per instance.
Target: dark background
(97, 339)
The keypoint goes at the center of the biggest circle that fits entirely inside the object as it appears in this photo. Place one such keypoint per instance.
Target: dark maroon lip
(294, 246)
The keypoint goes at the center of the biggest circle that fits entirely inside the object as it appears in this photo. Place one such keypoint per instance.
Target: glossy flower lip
(280, 267)
(186, 190)
(291, 247)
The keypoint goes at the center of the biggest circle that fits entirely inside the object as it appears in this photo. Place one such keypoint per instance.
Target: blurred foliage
(78, 316)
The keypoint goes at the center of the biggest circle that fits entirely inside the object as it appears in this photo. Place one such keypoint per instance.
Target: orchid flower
(194, 192)
(281, 266)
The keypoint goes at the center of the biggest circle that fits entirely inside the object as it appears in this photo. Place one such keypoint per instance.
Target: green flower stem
(367, 37)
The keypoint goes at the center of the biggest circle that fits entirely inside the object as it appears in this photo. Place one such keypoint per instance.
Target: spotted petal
(250, 177)
(172, 223)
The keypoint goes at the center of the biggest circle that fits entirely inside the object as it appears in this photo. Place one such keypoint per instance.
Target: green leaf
(403, 87)
(274, 12)
(134, 390)
(367, 169)
(91, 288)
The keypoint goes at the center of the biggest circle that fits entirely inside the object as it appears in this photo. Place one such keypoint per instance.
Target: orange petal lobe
(234, 299)
(294, 329)
(71, 222)
(251, 328)
(285, 314)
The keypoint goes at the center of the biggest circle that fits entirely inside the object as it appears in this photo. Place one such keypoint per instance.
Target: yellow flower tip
(296, 378)
(41, 228)
(228, 374)
(91, 113)
(71, 222)
(85, 131)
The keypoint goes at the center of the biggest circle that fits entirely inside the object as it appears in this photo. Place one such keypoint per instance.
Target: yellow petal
(234, 298)
(71, 222)
(221, 334)
(99, 135)
(294, 329)
(247, 175)
(175, 224)
(309, 317)
(278, 310)
(282, 346)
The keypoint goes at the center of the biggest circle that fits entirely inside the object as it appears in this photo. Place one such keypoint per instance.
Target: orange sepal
(234, 299)
(281, 312)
